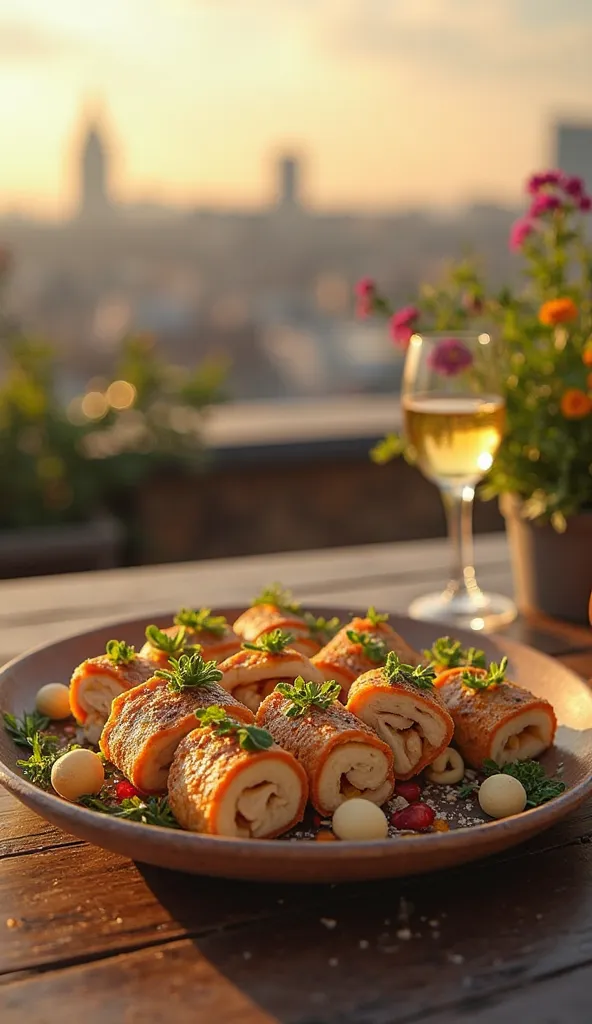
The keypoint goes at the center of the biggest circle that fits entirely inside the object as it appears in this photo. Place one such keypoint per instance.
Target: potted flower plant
(542, 472)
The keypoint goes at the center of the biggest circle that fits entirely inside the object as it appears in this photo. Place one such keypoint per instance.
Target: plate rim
(370, 850)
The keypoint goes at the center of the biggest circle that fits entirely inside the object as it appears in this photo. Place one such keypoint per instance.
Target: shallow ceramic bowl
(301, 861)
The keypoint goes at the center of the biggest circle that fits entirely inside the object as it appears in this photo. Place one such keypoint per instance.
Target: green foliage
(302, 696)
(249, 737)
(273, 642)
(451, 654)
(373, 646)
(161, 641)
(278, 596)
(188, 671)
(539, 787)
(396, 671)
(23, 730)
(149, 810)
(119, 652)
(322, 629)
(495, 675)
(201, 619)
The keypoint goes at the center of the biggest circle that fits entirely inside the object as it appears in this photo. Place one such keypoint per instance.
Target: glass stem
(459, 517)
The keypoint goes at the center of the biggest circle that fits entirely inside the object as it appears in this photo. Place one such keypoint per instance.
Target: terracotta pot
(552, 571)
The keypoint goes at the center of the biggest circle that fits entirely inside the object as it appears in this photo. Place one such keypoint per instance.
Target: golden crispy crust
(138, 671)
(203, 768)
(262, 618)
(344, 661)
(141, 718)
(478, 714)
(312, 737)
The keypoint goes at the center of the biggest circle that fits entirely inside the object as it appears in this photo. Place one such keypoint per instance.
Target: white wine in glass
(454, 423)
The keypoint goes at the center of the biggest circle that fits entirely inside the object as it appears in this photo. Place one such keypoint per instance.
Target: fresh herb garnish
(451, 654)
(161, 641)
(421, 676)
(373, 646)
(279, 597)
(467, 790)
(189, 670)
(150, 810)
(539, 787)
(273, 643)
(23, 730)
(249, 737)
(119, 652)
(201, 619)
(304, 696)
(45, 753)
(376, 617)
(320, 627)
(495, 675)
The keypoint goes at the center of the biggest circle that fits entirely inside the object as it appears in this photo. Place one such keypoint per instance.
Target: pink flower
(450, 357)
(585, 204)
(544, 203)
(519, 232)
(402, 325)
(365, 291)
(537, 181)
(573, 186)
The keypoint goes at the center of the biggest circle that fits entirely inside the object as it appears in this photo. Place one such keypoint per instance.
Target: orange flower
(587, 355)
(575, 404)
(557, 311)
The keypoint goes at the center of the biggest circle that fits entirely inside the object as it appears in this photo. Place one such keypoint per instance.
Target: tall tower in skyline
(94, 201)
(289, 173)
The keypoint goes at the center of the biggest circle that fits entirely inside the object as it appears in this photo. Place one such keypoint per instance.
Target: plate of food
(280, 743)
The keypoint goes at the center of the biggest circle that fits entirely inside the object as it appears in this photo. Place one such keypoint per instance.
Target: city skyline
(392, 104)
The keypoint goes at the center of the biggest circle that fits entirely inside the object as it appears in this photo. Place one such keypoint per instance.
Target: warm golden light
(94, 405)
(121, 394)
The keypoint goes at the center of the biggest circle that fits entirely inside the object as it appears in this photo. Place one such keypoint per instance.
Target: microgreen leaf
(373, 646)
(303, 696)
(119, 652)
(149, 810)
(273, 643)
(320, 628)
(23, 730)
(450, 653)
(201, 619)
(162, 641)
(495, 675)
(376, 617)
(45, 752)
(395, 671)
(249, 737)
(538, 785)
(189, 670)
(278, 596)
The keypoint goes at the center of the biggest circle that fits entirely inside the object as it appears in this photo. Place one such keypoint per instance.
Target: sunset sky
(391, 101)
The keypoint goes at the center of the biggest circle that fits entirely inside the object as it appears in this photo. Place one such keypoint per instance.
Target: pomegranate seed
(410, 791)
(325, 837)
(125, 791)
(416, 818)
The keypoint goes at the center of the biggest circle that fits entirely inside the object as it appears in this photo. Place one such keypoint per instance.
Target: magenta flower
(450, 357)
(585, 204)
(402, 325)
(519, 232)
(544, 203)
(537, 181)
(365, 291)
(573, 186)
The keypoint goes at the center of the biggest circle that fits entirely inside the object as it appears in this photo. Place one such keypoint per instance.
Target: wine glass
(454, 421)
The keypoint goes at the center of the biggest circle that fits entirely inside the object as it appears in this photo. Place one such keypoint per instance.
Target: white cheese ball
(77, 773)
(359, 819)
(53, 700)
(502, 795)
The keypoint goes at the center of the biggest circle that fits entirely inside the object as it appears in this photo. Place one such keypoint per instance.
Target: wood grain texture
(87, 934)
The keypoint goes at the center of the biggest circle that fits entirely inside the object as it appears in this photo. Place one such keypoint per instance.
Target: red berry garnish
(125, 791)
(415, 818)
(410, 791)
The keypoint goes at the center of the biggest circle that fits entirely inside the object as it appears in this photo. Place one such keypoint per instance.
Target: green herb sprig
(451, 654)
(45, 753)
(273, 643)
(538, 785)
(421, 676)
(373, 647)
(23, 730)
(496, 674)
(467, 790)
(320, 628)
(376, 617)
(149, 810)
(249, 737)
(119, 652)
(280, 597)
(303, 696)
(161, 641)
(201, 620)
(188, 671)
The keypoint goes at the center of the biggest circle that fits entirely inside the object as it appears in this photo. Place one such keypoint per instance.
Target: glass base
(481, 612)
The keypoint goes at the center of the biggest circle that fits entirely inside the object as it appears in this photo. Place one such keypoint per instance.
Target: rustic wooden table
(85, 934)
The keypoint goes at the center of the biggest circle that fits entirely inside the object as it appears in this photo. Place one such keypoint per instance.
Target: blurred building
(94, 200)
(573, 148)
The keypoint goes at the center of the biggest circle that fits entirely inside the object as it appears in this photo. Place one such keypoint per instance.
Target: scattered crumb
(363, 943)
(434, 924)
(118, 920)
(435, 935)
(329, 922)
(333, 961)
(423, 919)
(281, 902)
(247, 955)
(539, 917)
(387, 921)
(404, 934)
(456, 958)
(11, 922)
